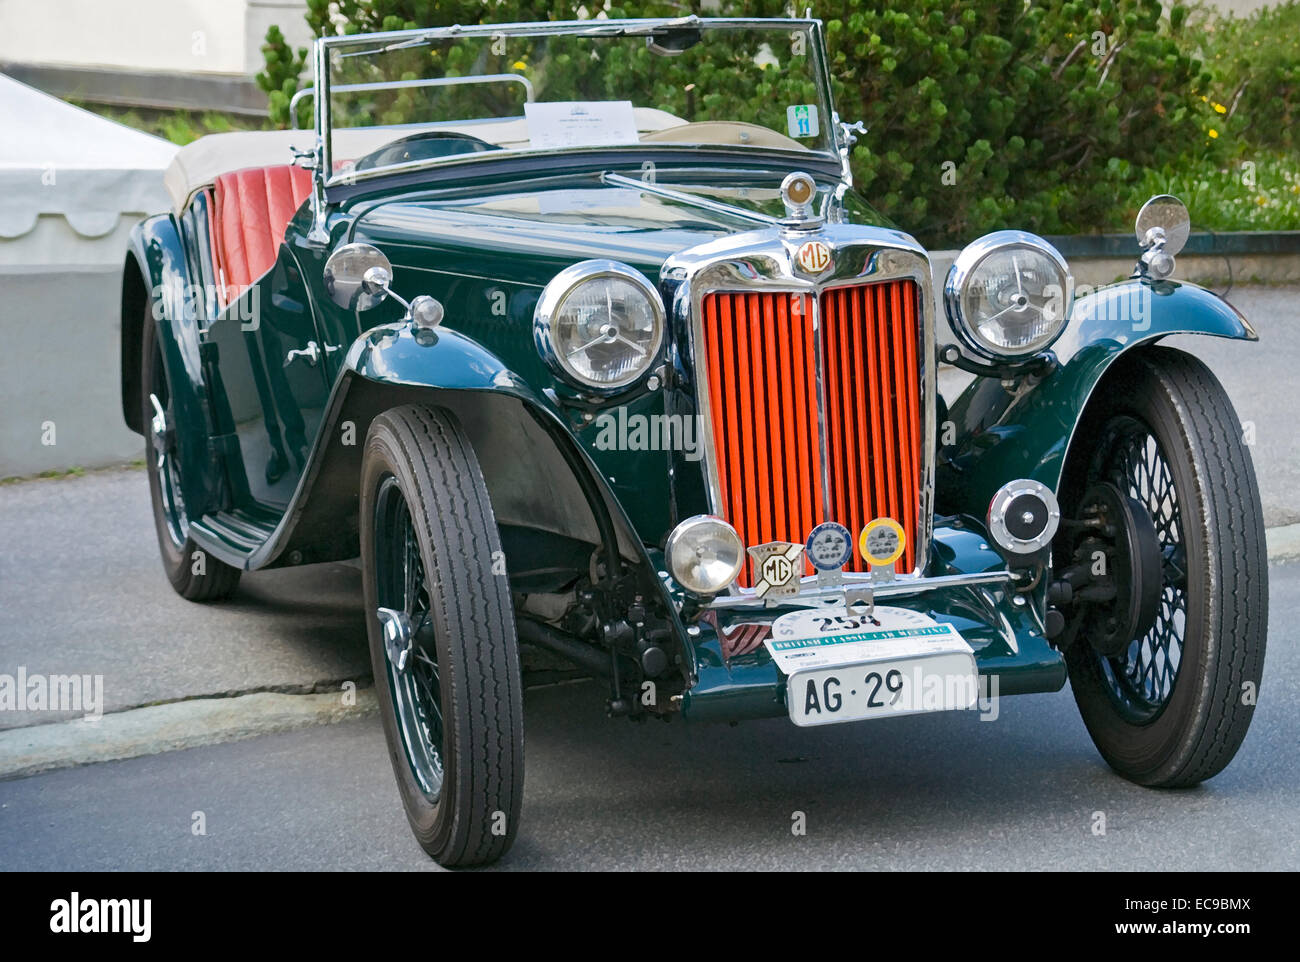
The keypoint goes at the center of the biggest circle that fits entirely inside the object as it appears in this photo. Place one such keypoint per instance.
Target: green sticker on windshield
(801, 120)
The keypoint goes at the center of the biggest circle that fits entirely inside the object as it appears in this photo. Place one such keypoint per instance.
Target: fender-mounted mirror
(1169, 214)
(1163, 226)
(357, 277)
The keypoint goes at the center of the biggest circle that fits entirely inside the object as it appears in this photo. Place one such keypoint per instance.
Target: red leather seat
(251, 209)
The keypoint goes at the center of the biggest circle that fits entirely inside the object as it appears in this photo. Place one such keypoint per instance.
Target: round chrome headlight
(599, 324)
(704, 554)
(1008, 295)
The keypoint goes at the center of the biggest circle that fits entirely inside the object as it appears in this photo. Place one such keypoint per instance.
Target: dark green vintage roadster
(579, 336)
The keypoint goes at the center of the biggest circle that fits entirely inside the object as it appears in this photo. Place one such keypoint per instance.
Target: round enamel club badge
(882, 542)
(829, 546)
(814, 257)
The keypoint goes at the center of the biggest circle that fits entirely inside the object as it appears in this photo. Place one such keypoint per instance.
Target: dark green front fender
(1001, 436)
(538, 476)
(387, 367)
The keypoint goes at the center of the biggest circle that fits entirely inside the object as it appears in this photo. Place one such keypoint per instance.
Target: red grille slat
(761, 378)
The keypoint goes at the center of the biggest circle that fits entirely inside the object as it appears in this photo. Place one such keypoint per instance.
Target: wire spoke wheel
(164, 460)
(402, 586)
(1142, 679)
(1169, 709)
(443, 644)
(194, 573)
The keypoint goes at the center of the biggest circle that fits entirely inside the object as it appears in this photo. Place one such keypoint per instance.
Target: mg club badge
(829, 546)
(882, 543)
(778, 566)
(814, 257)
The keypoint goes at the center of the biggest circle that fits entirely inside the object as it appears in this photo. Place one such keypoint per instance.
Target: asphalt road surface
(945, 791)
(81, 590)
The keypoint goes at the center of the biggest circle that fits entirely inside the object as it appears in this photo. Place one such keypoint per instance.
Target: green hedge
(985, 114)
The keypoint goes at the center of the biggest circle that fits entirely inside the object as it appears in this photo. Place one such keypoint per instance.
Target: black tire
(1173, 722)
(193, 572)
(468, 696)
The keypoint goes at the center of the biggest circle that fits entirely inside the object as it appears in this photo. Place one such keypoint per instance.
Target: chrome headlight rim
(560, 287)
(963, 268)
(688, 526)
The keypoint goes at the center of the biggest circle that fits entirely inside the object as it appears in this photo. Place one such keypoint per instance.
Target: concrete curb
(1283, 543)
(170, 727)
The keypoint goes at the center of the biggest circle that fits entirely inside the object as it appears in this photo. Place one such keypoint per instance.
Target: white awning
(69, 177)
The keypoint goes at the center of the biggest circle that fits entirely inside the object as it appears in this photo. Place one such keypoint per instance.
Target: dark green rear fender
(1000, 436)
(158, 276)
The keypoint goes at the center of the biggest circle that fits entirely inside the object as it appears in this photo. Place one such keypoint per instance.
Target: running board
(233, 536)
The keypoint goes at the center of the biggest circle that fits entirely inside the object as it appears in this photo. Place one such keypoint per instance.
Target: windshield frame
(327, 177)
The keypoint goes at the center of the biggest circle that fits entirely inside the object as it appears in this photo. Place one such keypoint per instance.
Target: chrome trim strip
(764, 261)
(632, 27)
(817, 593)
(819, 384)
(318, 235)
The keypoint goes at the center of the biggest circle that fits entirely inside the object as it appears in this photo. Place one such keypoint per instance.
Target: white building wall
(220, 37)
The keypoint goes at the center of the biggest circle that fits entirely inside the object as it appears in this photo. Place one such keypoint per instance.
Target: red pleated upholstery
(250, 211)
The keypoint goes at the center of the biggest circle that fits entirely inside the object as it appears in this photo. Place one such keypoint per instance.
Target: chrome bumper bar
(859, 588)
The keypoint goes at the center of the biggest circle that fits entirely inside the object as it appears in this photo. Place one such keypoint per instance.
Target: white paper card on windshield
(580, 124)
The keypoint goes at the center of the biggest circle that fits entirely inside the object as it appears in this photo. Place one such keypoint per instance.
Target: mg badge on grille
(814, 257)
(778, 566)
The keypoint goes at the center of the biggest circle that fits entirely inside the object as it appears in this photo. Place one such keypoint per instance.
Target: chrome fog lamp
(1023, 517)
(704, 554)
(1008, 295)
(599, 325)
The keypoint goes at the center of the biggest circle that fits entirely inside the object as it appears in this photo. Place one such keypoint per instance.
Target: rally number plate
(841, 666)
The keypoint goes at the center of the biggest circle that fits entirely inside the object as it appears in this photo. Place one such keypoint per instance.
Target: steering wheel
(426, 145)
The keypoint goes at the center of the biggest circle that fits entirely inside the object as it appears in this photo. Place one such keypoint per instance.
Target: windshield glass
(418, 98)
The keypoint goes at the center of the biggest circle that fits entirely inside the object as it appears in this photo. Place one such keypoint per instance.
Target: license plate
(843, 667)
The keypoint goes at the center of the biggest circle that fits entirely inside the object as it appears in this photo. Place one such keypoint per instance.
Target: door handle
(311, 352)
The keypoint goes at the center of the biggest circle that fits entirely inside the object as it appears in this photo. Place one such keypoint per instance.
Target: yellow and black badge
(882, 542)
(778, 566)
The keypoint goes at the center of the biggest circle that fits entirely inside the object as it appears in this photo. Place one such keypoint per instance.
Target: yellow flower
(1213, 133)
(1220, 109)
(519, 65)
(1205, 99)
